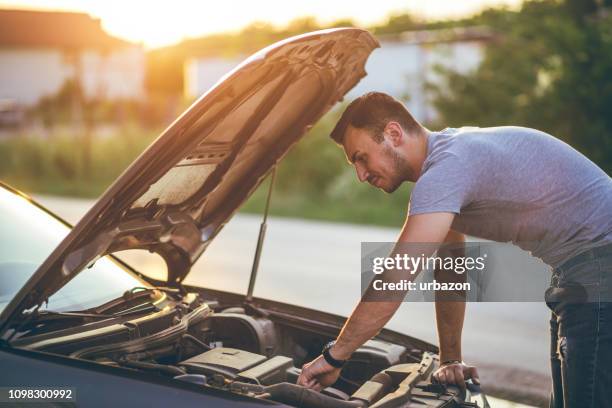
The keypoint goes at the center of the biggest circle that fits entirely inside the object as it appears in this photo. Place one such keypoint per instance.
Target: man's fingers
(473, 374)
(304, 377)
(306, 382)
(450, 376)
(458, 374)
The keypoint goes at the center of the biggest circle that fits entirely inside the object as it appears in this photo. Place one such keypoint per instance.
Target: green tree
(549, 68)
(397, 23)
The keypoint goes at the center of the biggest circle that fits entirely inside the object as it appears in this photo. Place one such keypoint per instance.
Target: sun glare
(156, 23)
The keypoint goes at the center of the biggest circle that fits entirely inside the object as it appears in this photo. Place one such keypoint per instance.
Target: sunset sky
(155, 23)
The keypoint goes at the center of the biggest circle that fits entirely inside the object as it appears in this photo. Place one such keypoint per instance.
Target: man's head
(382, 140)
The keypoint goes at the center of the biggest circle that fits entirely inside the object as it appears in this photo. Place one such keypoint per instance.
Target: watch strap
(328, 357)
(449, 362)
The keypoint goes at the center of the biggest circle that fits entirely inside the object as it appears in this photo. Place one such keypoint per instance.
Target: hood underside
(177, 196)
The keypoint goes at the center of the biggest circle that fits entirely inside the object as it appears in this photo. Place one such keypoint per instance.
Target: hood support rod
(260, 240)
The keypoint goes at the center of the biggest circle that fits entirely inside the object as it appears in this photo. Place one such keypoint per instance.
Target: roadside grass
(60, 164)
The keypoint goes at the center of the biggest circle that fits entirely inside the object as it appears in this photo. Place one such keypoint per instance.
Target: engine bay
(257, 352)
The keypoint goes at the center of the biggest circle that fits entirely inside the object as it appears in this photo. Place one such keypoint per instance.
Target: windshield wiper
(133, 297)
(48, 316)
(49, 320)
(45, 315)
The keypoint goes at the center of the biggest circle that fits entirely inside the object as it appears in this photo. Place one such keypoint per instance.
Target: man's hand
(318, 374)
(456, 373)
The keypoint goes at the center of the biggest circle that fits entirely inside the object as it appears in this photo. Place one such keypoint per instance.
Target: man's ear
(394, 133)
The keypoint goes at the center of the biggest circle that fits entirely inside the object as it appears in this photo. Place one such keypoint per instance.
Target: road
(317, 265)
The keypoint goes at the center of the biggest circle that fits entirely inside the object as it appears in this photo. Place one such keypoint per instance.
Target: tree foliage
(550, 68)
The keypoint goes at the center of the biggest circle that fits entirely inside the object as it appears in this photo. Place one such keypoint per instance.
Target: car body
(73, 316)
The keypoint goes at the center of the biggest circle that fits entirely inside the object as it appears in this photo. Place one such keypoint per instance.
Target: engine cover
(240, 365)
(222, 360)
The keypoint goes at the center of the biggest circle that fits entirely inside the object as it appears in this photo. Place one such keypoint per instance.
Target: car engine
(250, 350)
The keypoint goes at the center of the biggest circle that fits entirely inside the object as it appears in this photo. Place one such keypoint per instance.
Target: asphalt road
(317, 265)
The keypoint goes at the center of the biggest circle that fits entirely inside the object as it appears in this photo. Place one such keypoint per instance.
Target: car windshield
(28, 235)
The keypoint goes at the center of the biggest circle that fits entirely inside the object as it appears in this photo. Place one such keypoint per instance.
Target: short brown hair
(372, 111)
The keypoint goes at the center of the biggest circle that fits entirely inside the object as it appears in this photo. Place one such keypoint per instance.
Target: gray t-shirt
(519, 185)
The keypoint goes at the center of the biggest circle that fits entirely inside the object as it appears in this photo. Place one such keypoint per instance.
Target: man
(506, 184)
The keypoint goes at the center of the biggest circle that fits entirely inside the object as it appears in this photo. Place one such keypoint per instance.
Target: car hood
(177, 196)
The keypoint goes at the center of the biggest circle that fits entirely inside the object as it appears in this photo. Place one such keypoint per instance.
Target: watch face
(328, 345)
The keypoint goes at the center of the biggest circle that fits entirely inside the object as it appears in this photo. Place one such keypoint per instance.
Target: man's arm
(369, 318)
(450, 312)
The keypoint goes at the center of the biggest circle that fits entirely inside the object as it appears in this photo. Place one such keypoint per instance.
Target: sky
(157, 23)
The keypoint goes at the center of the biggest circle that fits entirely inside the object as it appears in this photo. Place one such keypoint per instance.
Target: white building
(200, 74)
(401, 67)
(41, 51)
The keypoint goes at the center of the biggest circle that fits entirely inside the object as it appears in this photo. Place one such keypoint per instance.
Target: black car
(78, 325)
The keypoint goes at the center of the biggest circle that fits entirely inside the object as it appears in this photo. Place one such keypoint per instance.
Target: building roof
(442, 35)
(29, 28)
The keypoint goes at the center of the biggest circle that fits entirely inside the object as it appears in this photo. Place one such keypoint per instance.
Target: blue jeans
(580, 298)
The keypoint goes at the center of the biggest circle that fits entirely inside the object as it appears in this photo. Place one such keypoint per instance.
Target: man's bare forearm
(449, 320)
(365, 322)
(369, 318)
(421, 235)
(375, 308)
(449, 313)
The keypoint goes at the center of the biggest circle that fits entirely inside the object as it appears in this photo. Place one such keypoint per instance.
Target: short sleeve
(444, 186)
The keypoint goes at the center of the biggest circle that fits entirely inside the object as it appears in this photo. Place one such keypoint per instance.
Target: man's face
(380, 164)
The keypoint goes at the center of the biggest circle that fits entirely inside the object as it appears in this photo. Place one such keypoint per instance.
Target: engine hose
(195, 340)
(296, 395)
(174, 371)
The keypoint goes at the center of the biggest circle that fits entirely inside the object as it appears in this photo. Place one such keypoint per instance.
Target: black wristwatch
(328, 357)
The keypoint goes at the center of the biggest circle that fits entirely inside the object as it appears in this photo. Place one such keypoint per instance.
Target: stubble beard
(401, 169)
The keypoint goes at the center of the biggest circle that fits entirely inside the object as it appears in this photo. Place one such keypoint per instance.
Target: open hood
(175, 198)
